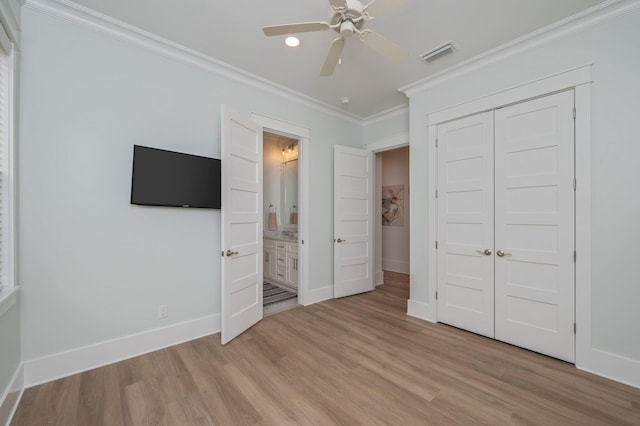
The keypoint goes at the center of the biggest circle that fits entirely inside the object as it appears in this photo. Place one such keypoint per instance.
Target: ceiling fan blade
(303, 27)
(379, 7)
(333, 56)
(386, 48)
(338, 3)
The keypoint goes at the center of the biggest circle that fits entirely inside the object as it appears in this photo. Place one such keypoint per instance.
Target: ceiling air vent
(438, 52)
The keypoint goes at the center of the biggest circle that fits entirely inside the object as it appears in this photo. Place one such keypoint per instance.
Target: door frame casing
(302, 134)
(398, 141)
(579, 79)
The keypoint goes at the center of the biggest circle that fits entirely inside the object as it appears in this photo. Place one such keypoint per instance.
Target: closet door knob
(231, 253)
(340, 240)
(501, 253)
(486, 252)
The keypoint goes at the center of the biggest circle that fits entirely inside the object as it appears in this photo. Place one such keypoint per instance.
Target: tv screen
(167, 178)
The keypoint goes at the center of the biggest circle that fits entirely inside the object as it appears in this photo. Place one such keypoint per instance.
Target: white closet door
(353, 221)
(534, 213)
(465, 224)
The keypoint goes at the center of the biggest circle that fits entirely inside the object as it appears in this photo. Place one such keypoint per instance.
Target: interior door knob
(231, 253)
(486, 252)
(501, 253)
(340, 240)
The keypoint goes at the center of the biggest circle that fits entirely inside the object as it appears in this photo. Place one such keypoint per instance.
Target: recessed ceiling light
(292, 41)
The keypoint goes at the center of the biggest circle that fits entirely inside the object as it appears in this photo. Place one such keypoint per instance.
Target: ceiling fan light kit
(292, 41)
(348, 18)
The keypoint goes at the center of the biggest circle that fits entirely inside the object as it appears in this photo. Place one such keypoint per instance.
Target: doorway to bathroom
(280, 239)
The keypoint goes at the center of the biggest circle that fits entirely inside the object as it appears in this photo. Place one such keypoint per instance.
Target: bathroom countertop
(279, 235)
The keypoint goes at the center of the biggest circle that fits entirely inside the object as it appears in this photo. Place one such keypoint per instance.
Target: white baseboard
(318, 295)
(419, 310)
(11, 397)
(63, 364)
(612, 366)
(400, 266)
(379, 278)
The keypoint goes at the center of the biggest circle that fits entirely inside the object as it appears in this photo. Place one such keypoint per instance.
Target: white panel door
(465, 223)
(241, 224)
(353, 221)
(534, 239)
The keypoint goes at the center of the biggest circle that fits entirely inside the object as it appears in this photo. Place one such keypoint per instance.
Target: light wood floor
(356, 360)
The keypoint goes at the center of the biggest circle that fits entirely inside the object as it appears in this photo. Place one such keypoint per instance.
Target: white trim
(304, 221)
(583, 225)
(420, 310)
(392, 265)
(11, 396)
(432, 218)
(531, 89)
(303, 135)
(379, 277)
(7, 280)
(377, 242)
(7, 302)
(388, 144)
(611, 366)
(317, 295)
(397, 141)
(606, 10)
(77, 14)
(385, 115)
(283, 127)
(63, 364)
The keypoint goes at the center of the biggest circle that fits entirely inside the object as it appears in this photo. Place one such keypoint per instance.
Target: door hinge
(436, 295)
(574, 328)
(436, 193)
(575, 184)
(436, 142)
(301, 241)
(575, 256)
(574, 113)
(436, 245)
(222, 253)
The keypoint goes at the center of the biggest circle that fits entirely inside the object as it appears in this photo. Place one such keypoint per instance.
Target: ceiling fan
(348, 17)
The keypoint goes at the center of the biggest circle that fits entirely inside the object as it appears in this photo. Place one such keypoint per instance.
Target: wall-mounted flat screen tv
(174, 179)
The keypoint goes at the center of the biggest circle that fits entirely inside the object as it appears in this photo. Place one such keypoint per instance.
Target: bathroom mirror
(289, 193)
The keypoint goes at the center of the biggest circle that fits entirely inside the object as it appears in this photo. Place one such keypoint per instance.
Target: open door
(241, 224)
(353, 221)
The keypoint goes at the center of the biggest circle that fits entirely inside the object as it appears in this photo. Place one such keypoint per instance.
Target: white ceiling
(231, 31)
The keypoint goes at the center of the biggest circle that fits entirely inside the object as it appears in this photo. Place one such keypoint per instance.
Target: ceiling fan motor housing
(348, 18)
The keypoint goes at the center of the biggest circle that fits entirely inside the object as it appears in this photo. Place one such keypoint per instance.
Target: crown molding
(604, 11)
(78, 14)
(384, 115)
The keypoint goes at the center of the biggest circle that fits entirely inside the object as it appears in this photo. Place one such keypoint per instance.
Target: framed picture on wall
(393, 205)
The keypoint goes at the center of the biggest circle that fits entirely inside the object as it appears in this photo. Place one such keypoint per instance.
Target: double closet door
(506, 216)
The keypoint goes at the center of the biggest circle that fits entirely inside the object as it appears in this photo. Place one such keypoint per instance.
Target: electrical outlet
(163, 311)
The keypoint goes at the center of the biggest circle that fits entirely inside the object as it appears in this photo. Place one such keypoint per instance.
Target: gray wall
(612, 46)
(94, 267)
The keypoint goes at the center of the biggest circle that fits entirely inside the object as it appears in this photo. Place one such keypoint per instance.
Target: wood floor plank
(349, 361)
